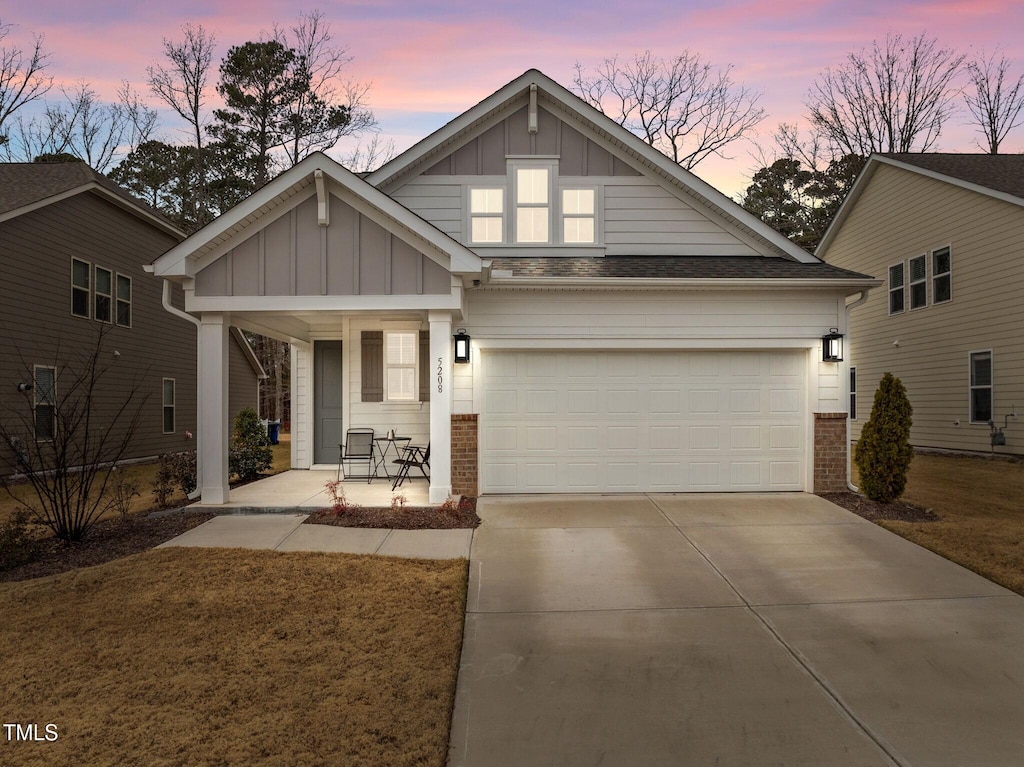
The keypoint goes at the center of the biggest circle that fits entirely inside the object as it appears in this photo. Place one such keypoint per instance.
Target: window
(101, 297)
(981, 387)
(487, 215)
(896, 289)
(124, 301)
(44, 391)
(533, 209)
(918, 282)
(168, 399)
(578, 213)
(401, 375)
(80, 284)
(942, 276)
(853, 394)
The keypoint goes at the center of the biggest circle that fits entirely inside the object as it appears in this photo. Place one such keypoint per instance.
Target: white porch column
(440, 405)
(213, 399)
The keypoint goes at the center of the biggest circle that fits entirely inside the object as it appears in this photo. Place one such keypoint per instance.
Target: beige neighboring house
(72, 249)
(946, 232)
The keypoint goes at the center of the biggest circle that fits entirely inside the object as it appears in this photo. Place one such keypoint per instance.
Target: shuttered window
(918, 282)
(896, 289)
(372, 362)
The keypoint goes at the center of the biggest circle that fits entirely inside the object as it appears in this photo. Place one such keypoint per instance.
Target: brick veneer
(464, 454)
(830, 448)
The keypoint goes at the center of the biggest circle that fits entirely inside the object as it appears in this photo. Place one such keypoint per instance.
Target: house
(630, 328)
(72, 249)
(946, 232)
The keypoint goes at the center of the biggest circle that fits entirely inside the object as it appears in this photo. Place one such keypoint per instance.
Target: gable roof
(995, 175)
(622, 141)
(25, 187)
(180, 261)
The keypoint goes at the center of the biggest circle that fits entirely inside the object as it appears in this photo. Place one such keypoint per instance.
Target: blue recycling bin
(274, 431)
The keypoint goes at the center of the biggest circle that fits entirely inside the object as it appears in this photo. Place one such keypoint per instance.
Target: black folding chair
(412, 457)
(358, 447)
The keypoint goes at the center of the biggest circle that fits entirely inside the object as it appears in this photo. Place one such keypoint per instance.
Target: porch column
(440, 378)
(213, 399)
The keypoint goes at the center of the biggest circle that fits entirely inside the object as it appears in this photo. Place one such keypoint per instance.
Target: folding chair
(412, 457)
(358, 446)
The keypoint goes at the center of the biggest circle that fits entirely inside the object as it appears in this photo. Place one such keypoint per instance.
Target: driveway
(728, 630)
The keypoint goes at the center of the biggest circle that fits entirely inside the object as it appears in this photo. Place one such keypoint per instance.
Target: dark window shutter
(425, 366)
(372, 343)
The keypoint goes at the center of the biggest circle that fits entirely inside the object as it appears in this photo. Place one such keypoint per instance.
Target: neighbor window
(896, 291)
(401, 353)
(578, 213)
(918, 282)
(981, 387)
(533, 204)
(168, 399)
(80, 284)
(853, 394)
(44, 396)
(942, 276)
(101, 297)
(124, 301)
(487, 215)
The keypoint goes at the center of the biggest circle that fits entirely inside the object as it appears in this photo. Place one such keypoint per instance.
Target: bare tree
(140, 118)
(684, 107)
(182, 85)
(369, 156)
(995, 101)
(22, 76)
(893, 98)
(330, 106)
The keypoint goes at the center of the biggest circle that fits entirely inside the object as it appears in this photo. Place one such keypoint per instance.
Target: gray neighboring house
(72, 249)
(946, 232)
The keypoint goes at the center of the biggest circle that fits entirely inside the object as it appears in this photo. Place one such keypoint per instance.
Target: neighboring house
(946, 231)
(632, 329)
(72, 249)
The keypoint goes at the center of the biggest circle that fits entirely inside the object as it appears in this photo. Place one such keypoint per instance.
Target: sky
(430, 61)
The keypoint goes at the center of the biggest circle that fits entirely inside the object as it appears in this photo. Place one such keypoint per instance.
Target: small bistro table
(384, 445)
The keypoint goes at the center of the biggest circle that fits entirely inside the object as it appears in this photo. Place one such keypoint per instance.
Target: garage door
(642, 421)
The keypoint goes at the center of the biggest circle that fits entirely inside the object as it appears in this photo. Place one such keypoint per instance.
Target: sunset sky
(429, 61)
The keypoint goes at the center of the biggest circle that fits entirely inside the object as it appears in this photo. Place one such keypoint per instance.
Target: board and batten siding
(901, 215)
(294, 256)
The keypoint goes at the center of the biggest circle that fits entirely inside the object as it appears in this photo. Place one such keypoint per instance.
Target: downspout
(849, 456)
(195, 494)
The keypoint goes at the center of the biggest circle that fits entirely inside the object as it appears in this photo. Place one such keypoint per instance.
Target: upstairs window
(533, 206)
(578, 216)
(942, 276)
(981, 387)
(124, 301)
(918, 282)
(487, 215)
(80, 287)
(896, 289)
(101, 303)
(401, 359)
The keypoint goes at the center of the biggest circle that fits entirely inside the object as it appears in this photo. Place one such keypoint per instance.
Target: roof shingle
(672, 267)
(1000, 172)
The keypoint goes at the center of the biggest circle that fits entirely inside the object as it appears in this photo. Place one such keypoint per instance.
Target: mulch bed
(900, 511)
(109, 539)
(409, 518)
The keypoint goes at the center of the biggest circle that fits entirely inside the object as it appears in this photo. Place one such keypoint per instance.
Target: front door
(327, 402)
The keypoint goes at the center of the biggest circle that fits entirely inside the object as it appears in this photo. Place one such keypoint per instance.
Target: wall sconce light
(832, 346)
(461, 345)
(24, 387)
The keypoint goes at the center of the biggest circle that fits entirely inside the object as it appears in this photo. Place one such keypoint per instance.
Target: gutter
(502, 279)
(166, 300)
(849, 456)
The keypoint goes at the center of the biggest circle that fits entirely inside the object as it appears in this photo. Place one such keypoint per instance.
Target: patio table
(388, 443)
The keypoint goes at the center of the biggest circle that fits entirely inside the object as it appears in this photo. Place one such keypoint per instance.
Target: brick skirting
(464, 454)
(830, 448)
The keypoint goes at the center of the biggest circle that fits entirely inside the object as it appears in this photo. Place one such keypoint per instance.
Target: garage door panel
(669, 421)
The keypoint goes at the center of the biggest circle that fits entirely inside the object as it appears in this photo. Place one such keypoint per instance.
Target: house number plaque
(440, 375)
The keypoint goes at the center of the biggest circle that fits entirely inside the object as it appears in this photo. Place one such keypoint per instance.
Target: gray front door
(327, 430)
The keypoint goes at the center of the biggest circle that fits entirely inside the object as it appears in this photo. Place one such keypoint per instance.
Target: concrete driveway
(728, 630)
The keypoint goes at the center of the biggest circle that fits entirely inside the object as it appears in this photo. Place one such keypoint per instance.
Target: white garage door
(642, 421)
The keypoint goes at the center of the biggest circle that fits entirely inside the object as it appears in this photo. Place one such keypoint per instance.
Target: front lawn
(981, 506)
(214, 656)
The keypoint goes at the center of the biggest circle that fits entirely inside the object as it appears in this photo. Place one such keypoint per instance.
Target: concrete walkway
(728, 630)
(285, 532)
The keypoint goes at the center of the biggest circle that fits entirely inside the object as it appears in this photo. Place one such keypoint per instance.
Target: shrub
(339, 503)
(121, 494)
(175, 469)
(883, 453)
(250, 453)
(18, 546)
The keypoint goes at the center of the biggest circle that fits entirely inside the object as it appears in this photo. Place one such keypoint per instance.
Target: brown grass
(981, 505)
(217, 657)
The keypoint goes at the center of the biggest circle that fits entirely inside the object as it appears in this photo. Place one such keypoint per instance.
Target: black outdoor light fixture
(832, 346)
(461, 345)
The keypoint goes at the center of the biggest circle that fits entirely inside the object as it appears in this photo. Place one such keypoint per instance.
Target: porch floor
(307, 489)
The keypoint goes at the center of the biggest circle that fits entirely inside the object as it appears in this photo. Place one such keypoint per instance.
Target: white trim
(391, 328)
(567, 185)
(643, 342)
(971, 386)
(467, 206)
(305, 304)
(249, 354)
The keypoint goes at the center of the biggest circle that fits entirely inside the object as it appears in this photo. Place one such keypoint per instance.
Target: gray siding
(901, 215)
(243, 385)
(294, 256)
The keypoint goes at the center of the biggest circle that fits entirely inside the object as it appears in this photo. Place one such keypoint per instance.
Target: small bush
(18, 546)
(163, 482)
(450, 507)
(883, 453)
(339, 503)
(398, 502)
(176, 470)
(250, 453)
(121, 494)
